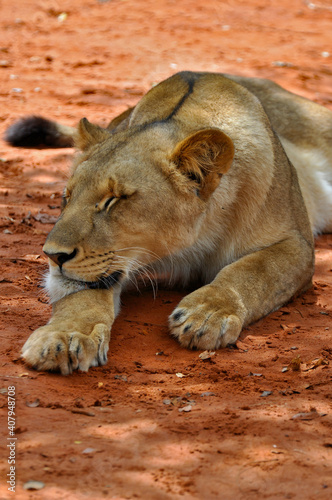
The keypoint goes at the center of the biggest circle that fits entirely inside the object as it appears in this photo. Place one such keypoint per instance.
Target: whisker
(142, 270)
(137, 269)
(143, 251)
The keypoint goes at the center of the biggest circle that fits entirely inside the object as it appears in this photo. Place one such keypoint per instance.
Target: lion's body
(193, 185)
(305, 131)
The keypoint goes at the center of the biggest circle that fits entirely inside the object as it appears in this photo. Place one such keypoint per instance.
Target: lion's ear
(89, 134)
(204, 157)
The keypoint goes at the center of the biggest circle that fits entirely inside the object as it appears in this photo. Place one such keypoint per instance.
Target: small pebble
(266, 393)
(33, 485)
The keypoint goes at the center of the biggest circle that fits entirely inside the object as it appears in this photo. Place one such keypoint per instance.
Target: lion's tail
(36, 131)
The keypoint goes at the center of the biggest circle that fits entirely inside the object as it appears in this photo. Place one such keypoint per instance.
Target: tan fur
(192, 185)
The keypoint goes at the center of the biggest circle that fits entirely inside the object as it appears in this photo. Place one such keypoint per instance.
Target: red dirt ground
(118, 431)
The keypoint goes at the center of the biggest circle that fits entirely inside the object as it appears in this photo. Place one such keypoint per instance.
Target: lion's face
(131, 201)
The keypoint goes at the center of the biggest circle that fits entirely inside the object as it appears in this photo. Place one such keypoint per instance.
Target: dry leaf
(82, 412)
(306, 416)
(180, 375)
(45, 218)
(100, 384)
(39, 231)
(33, 404)
(295, 364)
(186, 408)
(31, 257)
(315, 363)
(176, 401)
(206, 355)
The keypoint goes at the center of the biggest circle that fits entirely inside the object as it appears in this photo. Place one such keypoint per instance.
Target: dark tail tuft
(36, 131)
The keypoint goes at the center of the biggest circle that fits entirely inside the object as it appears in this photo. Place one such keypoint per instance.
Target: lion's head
(134, 197)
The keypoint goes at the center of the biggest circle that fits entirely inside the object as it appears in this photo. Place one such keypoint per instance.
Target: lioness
(195, 184)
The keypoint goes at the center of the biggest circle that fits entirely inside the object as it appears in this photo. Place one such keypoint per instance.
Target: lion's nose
(61, 257)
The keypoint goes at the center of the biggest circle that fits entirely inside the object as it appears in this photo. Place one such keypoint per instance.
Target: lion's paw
(49, 348)
(206, 325)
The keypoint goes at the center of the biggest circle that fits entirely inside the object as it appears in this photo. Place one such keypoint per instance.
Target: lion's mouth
(106, 282)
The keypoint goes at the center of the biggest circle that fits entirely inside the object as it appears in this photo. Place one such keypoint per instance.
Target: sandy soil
(236, 426)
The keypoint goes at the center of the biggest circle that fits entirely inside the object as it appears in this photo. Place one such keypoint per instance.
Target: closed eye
(108, 202)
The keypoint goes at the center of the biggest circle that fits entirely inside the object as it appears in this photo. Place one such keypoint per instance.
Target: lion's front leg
(76, 337)
(214, 315)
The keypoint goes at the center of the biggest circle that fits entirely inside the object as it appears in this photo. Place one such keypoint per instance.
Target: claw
(178, 317)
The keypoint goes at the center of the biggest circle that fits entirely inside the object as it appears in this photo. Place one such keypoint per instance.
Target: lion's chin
(106, 282)
(58, 286)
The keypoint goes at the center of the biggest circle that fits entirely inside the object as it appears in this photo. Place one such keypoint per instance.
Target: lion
(214, 181)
